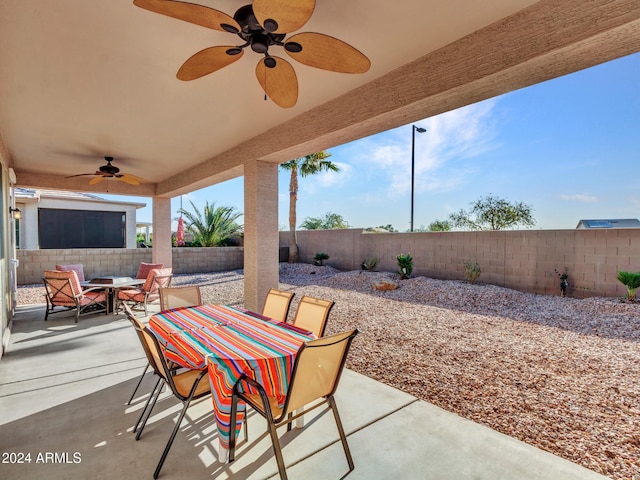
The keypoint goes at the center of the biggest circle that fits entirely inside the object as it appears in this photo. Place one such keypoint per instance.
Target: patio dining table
(111, 285)
(230, 342)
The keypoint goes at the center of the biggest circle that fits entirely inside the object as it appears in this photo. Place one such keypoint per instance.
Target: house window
(58, 228)
(17, 223)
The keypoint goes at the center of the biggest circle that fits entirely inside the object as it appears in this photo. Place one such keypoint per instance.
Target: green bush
(369, 264)
(471, 270)
(319, 258)
(631, 280)
(405, 265)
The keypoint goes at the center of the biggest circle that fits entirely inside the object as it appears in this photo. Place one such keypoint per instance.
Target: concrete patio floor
(64, 388)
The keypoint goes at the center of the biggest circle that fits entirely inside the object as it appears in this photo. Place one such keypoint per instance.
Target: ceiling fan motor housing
(260, 38)
(108, 168)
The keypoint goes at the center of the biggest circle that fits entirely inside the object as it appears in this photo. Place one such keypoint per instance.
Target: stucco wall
(125, 262)
(523, 260)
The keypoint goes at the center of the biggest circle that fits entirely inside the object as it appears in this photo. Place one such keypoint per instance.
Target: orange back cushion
(145, 268)
(73, 268)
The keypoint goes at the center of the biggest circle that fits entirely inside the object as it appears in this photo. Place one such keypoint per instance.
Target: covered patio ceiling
(82, 80)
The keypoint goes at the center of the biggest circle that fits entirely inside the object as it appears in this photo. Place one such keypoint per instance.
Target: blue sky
(569, 147)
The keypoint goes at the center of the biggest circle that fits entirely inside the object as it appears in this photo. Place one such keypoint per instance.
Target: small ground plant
(631, 280)
(319, 258)
(472, 270)
(405, 265)
(368, 264)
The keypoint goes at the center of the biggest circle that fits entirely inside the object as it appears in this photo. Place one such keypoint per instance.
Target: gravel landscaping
(559, 373)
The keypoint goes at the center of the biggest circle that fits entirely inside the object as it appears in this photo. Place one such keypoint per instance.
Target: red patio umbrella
(180, 232)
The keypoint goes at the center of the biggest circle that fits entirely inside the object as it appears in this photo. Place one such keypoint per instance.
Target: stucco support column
(161, 252)
(261, 268)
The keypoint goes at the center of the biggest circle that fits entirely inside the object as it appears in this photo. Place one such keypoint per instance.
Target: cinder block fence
(524, 260)
(125, 261)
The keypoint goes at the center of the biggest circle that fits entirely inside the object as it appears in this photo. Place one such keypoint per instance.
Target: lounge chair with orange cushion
(149, 291)
(64, 293)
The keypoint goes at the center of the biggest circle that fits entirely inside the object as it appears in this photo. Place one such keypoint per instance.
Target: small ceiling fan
(109, 171)
(261, 25)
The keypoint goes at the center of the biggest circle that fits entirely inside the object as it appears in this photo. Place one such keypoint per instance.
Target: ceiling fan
(109, 171)
(261, 25)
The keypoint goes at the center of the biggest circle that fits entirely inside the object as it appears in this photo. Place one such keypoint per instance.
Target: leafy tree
(388, 227)
(308, 165)
(212, 227)
(493, 213)
(440, 226)
(328, 222)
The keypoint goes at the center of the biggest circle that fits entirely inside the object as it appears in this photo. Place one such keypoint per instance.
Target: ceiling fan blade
(208, 61)
(280, 83)
(189, 12)
(83, 175)
(130, 179)
(98, 179)
(283, 16)
(328, 53)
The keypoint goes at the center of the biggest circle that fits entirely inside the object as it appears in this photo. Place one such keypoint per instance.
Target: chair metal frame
(277, 304)
(60, 292)
(178, 382)
(307, 314)
(300, 394)
(139, 326)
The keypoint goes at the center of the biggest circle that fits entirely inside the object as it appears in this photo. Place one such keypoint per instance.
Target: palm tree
(212, 227)
(307, 165)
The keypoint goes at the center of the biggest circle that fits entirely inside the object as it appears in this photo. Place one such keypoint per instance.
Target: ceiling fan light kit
(262, 25)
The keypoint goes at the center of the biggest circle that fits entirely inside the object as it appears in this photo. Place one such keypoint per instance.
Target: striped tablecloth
(230, 342)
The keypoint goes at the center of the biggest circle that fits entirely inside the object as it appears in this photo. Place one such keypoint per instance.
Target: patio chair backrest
(145, 268)
(277, 304)
(175, 297)
(317, 369)
(76, 267)
(157, 278)
(312, 314)
(62, 286)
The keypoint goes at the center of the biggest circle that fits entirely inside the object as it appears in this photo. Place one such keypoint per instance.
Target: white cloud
(441, 157)
(329, 179)
(332, 179)
(579, 198)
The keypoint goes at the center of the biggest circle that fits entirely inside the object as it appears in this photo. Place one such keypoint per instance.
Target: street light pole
(414, 129)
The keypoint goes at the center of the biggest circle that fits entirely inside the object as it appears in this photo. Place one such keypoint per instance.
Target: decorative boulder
(385, 285)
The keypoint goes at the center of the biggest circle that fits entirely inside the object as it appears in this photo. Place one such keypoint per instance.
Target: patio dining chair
(149, 291)
(312, 314)
(316, 374)
(138, 326)
(277, 304)
(63, 292)
(176, 297)
(185, 385)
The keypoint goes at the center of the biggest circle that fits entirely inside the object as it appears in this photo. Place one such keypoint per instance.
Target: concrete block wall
(99, 262)
(207, 259)
(524, 260)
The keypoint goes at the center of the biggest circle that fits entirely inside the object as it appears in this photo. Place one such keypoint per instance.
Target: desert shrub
(405, 265)
(320, 257)
(471, 270)
(631, 280)
(369, 264)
